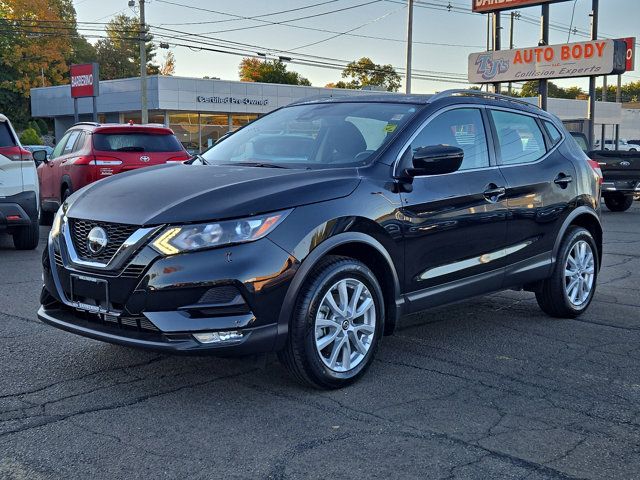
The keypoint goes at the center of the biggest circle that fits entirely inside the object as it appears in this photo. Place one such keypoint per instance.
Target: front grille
(133, 271)
(117, 233)
(57, 258)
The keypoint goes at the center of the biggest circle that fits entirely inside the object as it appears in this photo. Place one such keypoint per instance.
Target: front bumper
(159, 303)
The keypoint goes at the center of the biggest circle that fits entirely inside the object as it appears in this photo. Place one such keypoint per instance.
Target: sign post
(85, 82)
(592, 79)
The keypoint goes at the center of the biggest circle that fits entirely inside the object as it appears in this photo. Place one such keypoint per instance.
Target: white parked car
(19, 192)
(623, 146)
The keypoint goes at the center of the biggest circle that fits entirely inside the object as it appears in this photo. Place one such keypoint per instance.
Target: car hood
(197, 193)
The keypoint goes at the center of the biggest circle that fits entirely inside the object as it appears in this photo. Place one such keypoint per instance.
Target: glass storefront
(196, 131)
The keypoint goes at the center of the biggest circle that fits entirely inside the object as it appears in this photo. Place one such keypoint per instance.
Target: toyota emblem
(97, 240)
(144, 158)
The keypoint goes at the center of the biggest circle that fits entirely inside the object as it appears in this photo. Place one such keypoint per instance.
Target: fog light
(218, 337)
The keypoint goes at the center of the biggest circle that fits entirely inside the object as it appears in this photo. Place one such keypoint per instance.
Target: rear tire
(327, 350)
(27, 238)
(618, 202)
(569, 290)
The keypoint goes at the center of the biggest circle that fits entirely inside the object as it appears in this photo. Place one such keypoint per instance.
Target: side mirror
(435, 160)
(40, 156)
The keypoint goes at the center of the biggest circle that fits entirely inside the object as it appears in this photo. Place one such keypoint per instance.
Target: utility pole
(496, 42)
(513, 16)
(618, 100)
(409, 42)
(543, 85)
(604, 99)
(143, 66)
(592, 80)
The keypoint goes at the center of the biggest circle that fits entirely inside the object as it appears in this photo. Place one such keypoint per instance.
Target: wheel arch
(586, 218)
(361, 247)
(65, 181)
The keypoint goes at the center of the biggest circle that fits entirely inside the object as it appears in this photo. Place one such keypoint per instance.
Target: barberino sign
(85, 79)
(484, 6)
(583, 59)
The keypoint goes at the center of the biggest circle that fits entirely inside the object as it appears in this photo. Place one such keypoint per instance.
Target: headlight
(208, 235)
(56, 225)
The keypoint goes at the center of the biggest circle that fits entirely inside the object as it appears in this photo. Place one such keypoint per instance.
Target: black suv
(312, 230)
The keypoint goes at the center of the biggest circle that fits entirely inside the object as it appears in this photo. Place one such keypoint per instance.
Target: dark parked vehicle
(311, 231)
(91, 151)
(621, 172)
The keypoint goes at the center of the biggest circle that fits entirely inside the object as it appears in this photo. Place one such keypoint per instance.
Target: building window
(186, 126)
(241, 119)
(212, 127)
(136, 117)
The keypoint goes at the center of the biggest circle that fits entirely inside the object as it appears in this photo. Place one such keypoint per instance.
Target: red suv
(91, 151)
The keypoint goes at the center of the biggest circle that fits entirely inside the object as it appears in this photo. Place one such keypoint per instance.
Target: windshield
(314, 136)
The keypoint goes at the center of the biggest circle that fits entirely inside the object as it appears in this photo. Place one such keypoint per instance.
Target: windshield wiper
(197, 156)
(259, 164)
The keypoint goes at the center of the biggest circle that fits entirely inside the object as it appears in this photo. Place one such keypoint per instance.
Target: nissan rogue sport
(311, 231)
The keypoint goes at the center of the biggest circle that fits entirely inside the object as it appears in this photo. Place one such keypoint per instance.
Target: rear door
(121, 150)
(454, 224)
(541, 189)
(10, 161)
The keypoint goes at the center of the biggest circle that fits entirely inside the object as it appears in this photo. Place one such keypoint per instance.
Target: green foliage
(30, 137)
(34, 126)
(269, 71)
(15, 106)
(42, 125)
(364, 73)
(119, 54)
(530, 89)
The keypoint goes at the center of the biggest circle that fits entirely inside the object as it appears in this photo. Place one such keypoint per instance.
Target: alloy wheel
(579, 273)
(345, 325)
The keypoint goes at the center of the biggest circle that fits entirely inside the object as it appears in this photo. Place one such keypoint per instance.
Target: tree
(168, 66)
(119, 53)
(30, 137)
(269, 71)
(32, 53)
(364, 72)
(531, 89)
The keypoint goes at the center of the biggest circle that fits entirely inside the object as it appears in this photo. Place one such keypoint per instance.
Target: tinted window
(315, 135)
(136, 142)
(519, 137)
(461, 128)
(60, 146)
(6, 139)
(581, 141)
(554, 133)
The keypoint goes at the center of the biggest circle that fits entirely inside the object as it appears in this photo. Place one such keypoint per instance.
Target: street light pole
(592, 80)
(409, 42)
(143, 66)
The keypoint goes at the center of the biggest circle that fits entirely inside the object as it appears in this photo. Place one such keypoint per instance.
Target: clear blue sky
(382, 18)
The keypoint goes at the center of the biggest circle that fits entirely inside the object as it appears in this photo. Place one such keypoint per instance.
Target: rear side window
(135, 142)
(462, 128)
(519, 137)
(73, 136)
(6, 139)
(554, 133)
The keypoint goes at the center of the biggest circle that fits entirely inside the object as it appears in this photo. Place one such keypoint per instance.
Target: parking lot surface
(489, 388)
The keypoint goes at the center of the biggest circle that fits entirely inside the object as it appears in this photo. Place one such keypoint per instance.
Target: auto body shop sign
(484, 6)
(583, 59)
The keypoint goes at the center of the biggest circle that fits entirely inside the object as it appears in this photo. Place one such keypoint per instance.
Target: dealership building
(198, 110)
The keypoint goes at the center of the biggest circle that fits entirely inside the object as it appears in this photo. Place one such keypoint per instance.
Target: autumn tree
(119, 53)
(168, 65)
(531, 89)
(269, 71)
(364, 72)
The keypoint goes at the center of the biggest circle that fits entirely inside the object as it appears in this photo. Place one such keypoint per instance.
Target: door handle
(493, 193)
(563, 180)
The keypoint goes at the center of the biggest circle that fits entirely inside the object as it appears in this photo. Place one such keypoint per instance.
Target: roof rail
(95, 124)
(479, 93)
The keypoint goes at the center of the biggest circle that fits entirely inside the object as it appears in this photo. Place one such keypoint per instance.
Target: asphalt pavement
(489, 388)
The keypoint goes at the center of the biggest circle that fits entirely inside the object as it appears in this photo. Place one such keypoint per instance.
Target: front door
(454, 224)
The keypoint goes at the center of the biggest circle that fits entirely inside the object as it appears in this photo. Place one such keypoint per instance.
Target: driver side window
(462, 128)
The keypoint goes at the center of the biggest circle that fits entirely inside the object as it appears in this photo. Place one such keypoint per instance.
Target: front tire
(336, 325)
(572, 285)
(618, 202)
